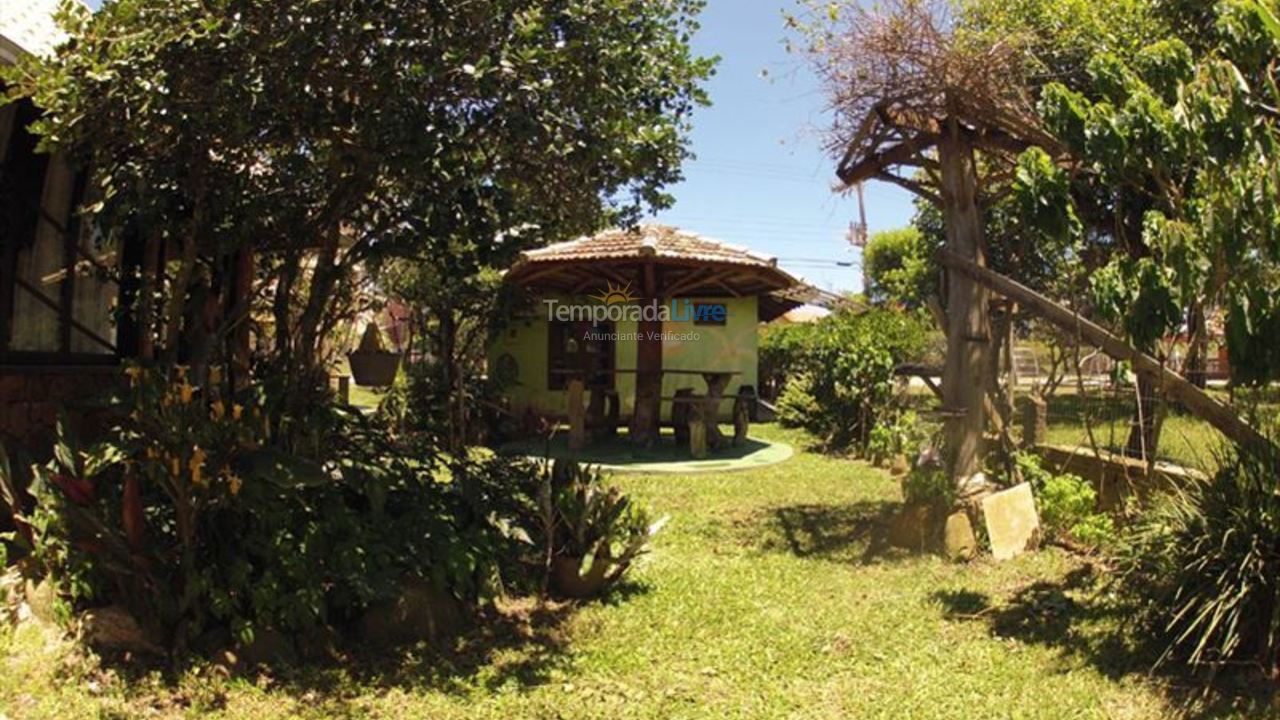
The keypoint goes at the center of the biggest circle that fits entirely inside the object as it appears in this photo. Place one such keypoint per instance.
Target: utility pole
(858, 238)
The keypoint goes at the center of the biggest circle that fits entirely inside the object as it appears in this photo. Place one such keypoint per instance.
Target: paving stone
(1012, 522)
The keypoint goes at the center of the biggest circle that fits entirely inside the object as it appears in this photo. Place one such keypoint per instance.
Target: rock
(915, 528)
(318, 644)
(269, 647)
(114, 628)
(976, 486)
(959, 542)
(900, 466)
(421, 613)
(42, 599)
(1012, 522)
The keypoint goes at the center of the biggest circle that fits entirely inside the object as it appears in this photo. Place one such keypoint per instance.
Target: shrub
(928, 485)
(847, 383)
(200, 514)
(797, 406)
(900, 435)
(781, 352)
(1203, 562)
(590, 533)
(1067, 504)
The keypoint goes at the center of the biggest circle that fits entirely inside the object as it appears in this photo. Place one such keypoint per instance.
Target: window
(56, 299)
(581, 346)
(710, 314)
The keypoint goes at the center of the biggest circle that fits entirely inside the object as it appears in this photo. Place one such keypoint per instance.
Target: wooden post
(964, 382)
(577, 419)
(697, 430)
(344, 389)
(680, 408)
(595, 411)
(716, 383)
(742, 415)
(610, 413)
(648, 404)
(1035, 421)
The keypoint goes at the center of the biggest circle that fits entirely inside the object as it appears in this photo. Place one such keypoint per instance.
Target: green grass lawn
(1184, 438)
(768, 595)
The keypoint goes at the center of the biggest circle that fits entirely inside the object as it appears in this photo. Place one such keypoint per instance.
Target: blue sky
(761, 178)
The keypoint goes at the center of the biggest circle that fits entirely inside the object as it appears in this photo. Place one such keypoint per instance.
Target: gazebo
(652, 266)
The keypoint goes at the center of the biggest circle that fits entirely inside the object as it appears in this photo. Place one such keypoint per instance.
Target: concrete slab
(1013, 525)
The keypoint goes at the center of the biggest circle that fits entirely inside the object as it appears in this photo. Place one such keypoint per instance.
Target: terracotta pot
(567, 578)
(374, 368)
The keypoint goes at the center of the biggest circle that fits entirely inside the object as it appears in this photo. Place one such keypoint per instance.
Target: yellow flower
(182, 371)
(197, 467)
(215, 375)
(175, 466)
(236, 411)
(185, 391)
(134, 372)
(234, 482)
(218, 409)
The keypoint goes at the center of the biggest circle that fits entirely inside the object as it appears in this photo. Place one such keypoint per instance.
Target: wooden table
(706, 407)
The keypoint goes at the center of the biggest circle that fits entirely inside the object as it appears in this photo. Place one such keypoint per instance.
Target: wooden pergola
(656, 263)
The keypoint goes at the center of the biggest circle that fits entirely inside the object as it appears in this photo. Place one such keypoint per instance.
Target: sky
(761, 178)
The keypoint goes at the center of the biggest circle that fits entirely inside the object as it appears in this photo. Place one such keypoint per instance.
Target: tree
(900, 268)
(910, 90)
(260, 153)
(1164, 117)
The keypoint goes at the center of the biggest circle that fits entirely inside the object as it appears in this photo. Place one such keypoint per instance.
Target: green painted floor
(618, 455)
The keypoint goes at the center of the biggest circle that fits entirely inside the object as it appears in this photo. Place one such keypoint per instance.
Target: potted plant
(372, 365)
(596, 532)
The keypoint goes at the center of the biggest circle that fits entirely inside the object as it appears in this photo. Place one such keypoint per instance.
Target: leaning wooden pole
(1220, 416)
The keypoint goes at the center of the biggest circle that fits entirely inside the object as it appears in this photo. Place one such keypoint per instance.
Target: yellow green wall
(729, 347)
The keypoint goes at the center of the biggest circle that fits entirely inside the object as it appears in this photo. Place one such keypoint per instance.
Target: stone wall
(1115, 477)
(32, 396)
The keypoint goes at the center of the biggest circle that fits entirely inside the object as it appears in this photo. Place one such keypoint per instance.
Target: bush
(1203, 562)
(202, 515)
(928, 485)
(591, 533)
(797, 406)
(781, 352)
(845, 385)
(1067, 504)
(900, 435)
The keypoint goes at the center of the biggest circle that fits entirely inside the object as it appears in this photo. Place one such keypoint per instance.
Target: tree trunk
(648, 401)
(323, 279)
(1144, 432)
(964, 382)
(449, 377)
(1198, 349)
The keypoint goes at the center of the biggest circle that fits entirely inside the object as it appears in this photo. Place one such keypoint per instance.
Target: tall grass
(1204, 563)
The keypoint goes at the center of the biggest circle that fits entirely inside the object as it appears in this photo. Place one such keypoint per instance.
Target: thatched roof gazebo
(657, 263)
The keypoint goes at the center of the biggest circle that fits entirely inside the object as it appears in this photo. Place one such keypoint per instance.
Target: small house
(638, 315)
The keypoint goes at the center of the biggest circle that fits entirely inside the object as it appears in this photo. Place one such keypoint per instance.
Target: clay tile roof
(659, 241)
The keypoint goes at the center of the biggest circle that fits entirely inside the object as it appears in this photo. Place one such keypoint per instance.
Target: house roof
(804, 314)
(659, 241)
(27, 26)
(677, 263)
